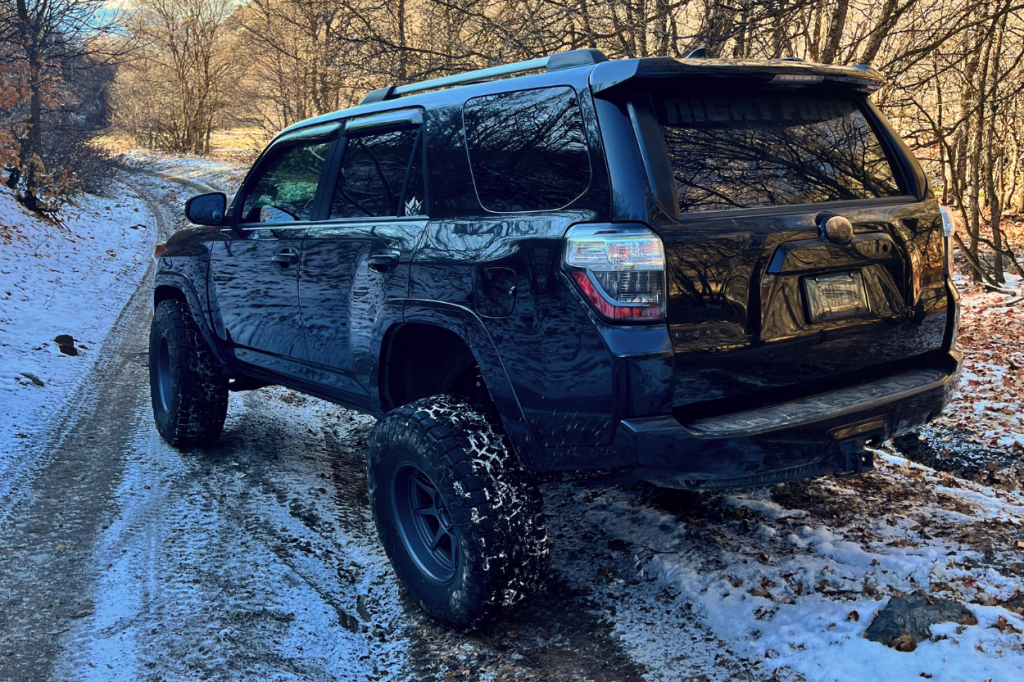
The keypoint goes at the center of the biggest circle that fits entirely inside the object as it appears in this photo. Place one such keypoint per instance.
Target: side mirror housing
(206, 209)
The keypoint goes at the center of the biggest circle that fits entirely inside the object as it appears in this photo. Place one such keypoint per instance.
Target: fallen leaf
(1005, 626)
(904, 642)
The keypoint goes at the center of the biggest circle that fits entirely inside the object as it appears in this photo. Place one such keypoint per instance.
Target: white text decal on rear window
(725, 109)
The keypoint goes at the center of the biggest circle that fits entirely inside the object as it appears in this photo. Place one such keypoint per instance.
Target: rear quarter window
(735, 151)
(527, 149)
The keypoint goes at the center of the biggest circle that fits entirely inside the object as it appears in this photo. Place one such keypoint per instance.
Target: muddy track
(48, 536)
(191, 184)
(123, 558)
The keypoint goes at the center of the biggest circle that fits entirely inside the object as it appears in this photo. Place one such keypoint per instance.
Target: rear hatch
(763, 306)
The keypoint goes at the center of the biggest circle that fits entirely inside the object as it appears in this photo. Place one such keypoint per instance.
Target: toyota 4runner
(701, 273)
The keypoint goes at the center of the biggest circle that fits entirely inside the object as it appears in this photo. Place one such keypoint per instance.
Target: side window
(451, 183)
(286, 187)
(374, 172)
(527, 150)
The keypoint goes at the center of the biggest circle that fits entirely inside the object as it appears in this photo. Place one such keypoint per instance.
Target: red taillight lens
(620, 270)
(611, 310)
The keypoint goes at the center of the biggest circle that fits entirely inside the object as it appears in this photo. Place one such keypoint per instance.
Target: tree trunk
(814, 48)
(32, 147)
(835, 33)
(890, 15)
(403, 55)
(995, 218)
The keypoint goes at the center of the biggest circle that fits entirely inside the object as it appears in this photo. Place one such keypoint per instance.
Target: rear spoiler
(781, 73)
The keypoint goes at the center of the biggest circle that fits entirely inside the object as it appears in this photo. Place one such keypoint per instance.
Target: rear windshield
(732, 152)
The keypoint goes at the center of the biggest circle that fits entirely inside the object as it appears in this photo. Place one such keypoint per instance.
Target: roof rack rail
(555, 62)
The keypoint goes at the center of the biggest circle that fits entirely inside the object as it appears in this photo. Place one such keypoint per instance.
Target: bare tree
(48, 48)
(183, 73)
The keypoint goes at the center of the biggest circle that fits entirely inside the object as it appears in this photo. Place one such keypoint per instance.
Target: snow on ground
(782, 582)
(257, 558)
(987, 410)
(218, 174)
(235, 561)
(70, 279)
(981, 433)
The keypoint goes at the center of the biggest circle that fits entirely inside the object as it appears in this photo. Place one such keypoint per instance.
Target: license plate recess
(835, 296)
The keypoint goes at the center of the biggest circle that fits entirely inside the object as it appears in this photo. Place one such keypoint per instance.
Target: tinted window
(286, 186)
(527, 150)
(373, 175)
(771, 150)
(451, 184)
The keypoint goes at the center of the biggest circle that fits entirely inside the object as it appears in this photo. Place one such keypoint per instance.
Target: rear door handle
(286, 257)
(384, 261)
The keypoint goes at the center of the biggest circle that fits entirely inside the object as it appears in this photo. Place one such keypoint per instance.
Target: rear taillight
(620, 269)
(948, 230)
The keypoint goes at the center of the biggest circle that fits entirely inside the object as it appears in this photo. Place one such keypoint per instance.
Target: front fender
(470, 328)
(170, 284)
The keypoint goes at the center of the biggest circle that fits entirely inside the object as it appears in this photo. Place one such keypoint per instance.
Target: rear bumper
(787, 441)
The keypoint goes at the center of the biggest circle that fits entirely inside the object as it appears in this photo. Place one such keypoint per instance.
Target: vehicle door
(358, 258)
(255, 265)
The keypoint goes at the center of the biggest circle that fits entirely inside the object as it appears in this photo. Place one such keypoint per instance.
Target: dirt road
(253, 559)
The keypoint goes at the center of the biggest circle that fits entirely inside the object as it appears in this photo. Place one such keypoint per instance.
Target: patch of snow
(225, 176)
(74, 280)
(737, 586)
(212, 566)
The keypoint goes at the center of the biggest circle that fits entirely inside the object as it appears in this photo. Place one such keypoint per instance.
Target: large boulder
(904, 622)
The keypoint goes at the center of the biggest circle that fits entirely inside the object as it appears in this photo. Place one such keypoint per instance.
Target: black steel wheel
(459, 517)
(424, 523)
(189, 394)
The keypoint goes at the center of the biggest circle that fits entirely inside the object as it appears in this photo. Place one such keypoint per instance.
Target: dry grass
(231, 145)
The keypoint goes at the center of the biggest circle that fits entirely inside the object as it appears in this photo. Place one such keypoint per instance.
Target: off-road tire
(494, 505)
(193, 407)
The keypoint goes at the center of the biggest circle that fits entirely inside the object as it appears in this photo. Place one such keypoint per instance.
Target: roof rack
(555, 62)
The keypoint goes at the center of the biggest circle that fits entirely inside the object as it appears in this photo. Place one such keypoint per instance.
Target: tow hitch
(854, 457)
(855, 453)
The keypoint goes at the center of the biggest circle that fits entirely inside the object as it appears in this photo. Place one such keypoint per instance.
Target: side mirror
(206, 209)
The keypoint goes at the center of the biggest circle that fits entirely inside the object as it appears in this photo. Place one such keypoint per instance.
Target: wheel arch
(450, 341)
(173, 286)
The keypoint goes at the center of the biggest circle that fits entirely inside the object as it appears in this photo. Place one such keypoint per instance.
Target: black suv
(700, 273)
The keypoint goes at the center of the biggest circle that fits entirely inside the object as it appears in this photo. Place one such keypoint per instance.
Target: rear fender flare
(388, 318)
(470, 329)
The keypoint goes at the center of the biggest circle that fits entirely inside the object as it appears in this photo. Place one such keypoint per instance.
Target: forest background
(186, 75)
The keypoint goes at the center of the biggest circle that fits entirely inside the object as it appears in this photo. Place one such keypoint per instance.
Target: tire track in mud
(225, 579)
(255, 557)
(53, 520)
(200, 187)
